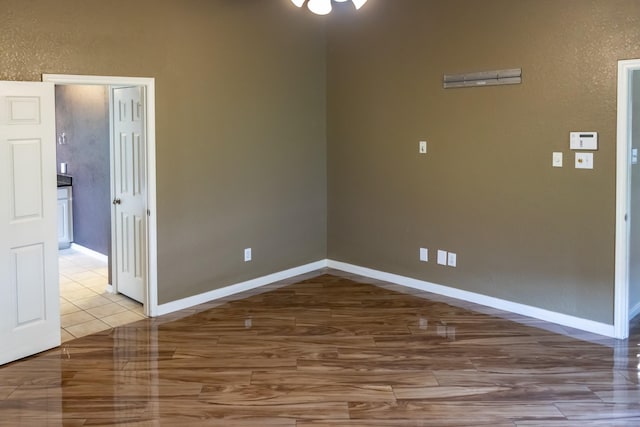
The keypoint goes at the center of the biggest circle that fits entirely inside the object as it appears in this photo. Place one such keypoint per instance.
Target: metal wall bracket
(484, 78)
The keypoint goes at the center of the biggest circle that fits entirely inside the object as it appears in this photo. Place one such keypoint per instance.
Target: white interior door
(130, 191)
(29, 294)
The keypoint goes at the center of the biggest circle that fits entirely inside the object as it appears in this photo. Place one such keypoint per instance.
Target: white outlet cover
(584, 160)
(247, 254)
(442, 257)
(424, 254)
(452, 259)
(557, 159)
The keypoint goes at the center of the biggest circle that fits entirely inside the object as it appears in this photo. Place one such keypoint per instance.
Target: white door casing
(129, 191)
(148, 83)
(623, 196)
(29, 294)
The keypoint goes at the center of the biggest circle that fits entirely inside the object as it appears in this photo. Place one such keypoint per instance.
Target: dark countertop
(64, 180)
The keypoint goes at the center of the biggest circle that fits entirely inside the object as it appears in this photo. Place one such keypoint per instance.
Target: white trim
(497, 303)
(72, 79)
(188, 302)
(623, 187)
(152, 218)
(89, 252)
(151, 294)
(513, 307)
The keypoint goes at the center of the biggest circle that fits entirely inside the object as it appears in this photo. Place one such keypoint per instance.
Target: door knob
(117, 201)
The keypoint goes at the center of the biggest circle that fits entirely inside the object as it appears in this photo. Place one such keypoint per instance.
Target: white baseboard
(634, 311)
(497, 303)
(89, 252)
(181, 304)
(513, 307)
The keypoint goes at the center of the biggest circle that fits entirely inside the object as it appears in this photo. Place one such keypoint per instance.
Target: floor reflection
(328, 351)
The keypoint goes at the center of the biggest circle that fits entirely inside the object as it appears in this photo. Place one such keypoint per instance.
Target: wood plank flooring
(331, 350)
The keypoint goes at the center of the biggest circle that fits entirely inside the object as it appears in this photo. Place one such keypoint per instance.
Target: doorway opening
(93, 269)
(627, 249)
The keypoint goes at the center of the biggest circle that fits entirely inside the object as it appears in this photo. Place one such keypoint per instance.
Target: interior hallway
(85, 305)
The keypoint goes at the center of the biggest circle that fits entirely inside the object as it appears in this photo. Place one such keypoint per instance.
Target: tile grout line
(78, 274)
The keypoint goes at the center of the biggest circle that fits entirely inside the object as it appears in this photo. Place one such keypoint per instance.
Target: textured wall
(82, 113)
(241, 134)
(522, 230)
(240, 89)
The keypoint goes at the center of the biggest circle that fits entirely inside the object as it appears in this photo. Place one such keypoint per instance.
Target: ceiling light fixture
(323, 7)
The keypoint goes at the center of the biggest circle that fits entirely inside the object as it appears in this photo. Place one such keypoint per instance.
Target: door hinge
(148, 212)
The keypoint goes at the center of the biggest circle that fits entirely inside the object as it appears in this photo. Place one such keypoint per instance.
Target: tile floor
(85, 305)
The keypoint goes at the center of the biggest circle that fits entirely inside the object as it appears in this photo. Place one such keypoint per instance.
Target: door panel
(130, 192)
(26, 197)
(28, 283)
(29, 295)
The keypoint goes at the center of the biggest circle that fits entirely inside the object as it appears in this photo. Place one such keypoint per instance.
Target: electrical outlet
(424, 254)
(442, 257)
(247, 255)
(452, 259)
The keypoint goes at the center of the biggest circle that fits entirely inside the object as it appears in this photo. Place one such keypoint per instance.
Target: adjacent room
(88, 303)
(345, 231)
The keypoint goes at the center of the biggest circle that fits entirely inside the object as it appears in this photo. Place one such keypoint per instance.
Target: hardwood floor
(330, 350)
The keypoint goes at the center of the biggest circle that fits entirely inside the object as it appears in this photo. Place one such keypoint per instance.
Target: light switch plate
(557, 160)
(424, 254)
(422, 147)
(584, 160)
(442, 257)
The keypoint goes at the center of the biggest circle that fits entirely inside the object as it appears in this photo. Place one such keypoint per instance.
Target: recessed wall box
(583, 140)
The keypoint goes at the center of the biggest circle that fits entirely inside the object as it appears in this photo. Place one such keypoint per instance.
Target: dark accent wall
(240, 121)
(522, 230)
(82, 114)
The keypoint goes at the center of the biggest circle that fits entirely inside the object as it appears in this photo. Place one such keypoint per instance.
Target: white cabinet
(65, 218)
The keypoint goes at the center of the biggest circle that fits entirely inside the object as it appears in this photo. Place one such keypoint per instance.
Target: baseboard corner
(215, 294)
(487, 301)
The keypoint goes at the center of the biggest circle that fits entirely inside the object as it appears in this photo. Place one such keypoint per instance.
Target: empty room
(323, 213)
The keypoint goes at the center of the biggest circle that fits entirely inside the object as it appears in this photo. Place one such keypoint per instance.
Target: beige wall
(240, 88)
(523, 231)
(242, 157)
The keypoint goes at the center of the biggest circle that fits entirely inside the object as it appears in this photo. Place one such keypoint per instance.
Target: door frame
(623, 196)
(148, 83)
